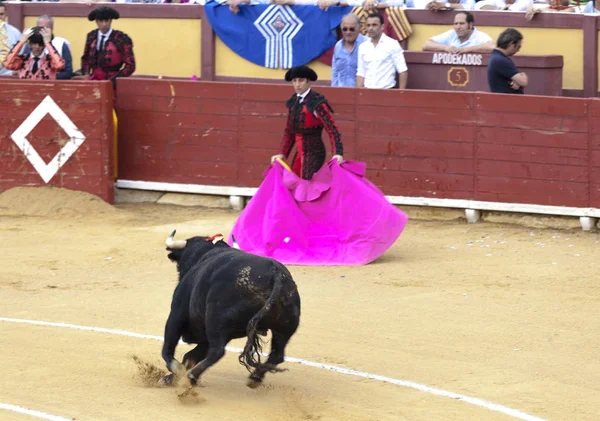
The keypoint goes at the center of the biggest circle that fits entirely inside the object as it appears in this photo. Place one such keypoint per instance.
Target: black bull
(224, 293)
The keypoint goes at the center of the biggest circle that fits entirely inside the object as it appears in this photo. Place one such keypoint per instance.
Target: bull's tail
(250, 356)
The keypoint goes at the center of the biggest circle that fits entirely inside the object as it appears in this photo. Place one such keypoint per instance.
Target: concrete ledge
(136, 196)
(180, 199)
(187, 199)
(417, 208)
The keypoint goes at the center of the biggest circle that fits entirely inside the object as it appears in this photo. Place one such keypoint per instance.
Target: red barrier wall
(87, 105)
(476, 146)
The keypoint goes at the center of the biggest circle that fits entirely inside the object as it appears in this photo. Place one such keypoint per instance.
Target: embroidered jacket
(304, 127)
(115, 60)
(48, 65)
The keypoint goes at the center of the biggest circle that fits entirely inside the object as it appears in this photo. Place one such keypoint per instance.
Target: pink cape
(337, 218)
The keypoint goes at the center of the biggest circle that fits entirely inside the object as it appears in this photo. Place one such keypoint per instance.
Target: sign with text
(464, 59)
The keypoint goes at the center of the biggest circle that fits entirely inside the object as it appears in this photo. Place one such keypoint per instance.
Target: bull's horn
(234, 243)
(175, 244)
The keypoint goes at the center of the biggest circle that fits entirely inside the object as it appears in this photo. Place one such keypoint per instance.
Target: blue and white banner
(276, 36)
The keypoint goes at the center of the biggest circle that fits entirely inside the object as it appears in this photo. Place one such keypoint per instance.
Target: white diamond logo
(278, 25)
(76, 138)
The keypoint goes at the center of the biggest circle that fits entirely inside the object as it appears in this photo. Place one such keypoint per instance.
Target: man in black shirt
(503, 75)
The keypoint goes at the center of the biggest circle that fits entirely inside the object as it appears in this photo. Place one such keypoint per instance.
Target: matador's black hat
(103, 13)
(301, 72)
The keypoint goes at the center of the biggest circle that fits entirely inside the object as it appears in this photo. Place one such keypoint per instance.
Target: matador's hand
(274, 157)
(339, 158)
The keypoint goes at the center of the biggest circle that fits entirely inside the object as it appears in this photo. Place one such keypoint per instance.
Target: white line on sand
(33, 413)
(404, 383)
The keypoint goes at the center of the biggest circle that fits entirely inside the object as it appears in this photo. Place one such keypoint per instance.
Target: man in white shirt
(463, 39)
(380, 59)
(438, 5)
(9, 37)
(510, 5)
(590, 7)
(366, 4)
(234, 5)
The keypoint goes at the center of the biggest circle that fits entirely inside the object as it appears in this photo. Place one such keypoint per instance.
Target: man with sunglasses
(345, 53)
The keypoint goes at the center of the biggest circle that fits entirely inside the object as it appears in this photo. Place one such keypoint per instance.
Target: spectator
(108, 53)
(62, 46)
(345, 54)
(551, 6)
(510, 5)
(9, 37)
(380, 59)
(42, 62)
(590, 7)
(435, 6)
(503, 75)
(463, 39)
(234, 5)
(366, 4)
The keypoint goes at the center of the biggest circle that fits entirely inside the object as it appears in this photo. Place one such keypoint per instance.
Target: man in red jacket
(309, 113)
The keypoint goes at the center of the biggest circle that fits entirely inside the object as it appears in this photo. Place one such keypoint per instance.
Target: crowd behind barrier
(75, 63)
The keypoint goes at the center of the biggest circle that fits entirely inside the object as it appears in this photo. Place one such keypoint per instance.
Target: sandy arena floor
(503, 313)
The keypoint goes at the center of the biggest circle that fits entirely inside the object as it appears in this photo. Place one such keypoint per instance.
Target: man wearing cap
(309, 113)
(108, 53)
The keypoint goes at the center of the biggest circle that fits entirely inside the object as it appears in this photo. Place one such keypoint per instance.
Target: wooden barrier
(57, 134)
(454, 149)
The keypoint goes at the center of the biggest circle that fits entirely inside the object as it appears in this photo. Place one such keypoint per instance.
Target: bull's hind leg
(190, 359)
(217, 340)
(194, 356)
(277, 356)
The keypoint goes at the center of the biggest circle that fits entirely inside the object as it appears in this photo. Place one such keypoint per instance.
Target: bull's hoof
(253, 384)
(193, 379)
(167, 380)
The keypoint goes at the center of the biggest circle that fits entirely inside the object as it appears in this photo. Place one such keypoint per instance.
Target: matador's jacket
(115, 60)
(304, 127)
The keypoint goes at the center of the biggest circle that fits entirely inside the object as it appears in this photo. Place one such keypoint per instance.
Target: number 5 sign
(458, 76)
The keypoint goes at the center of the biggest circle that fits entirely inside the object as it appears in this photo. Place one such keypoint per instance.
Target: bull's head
(175, 244)
(186, 253)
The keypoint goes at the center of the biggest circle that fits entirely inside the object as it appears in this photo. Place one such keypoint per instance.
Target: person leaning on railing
(435, 6)
(507, 5)
(463, 39)
(370, 5)
(590, 7)
(564, 6)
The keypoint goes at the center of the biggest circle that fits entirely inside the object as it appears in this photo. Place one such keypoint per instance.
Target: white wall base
(587, 223)
(237, 202)
(473, 215)
(237, 196)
